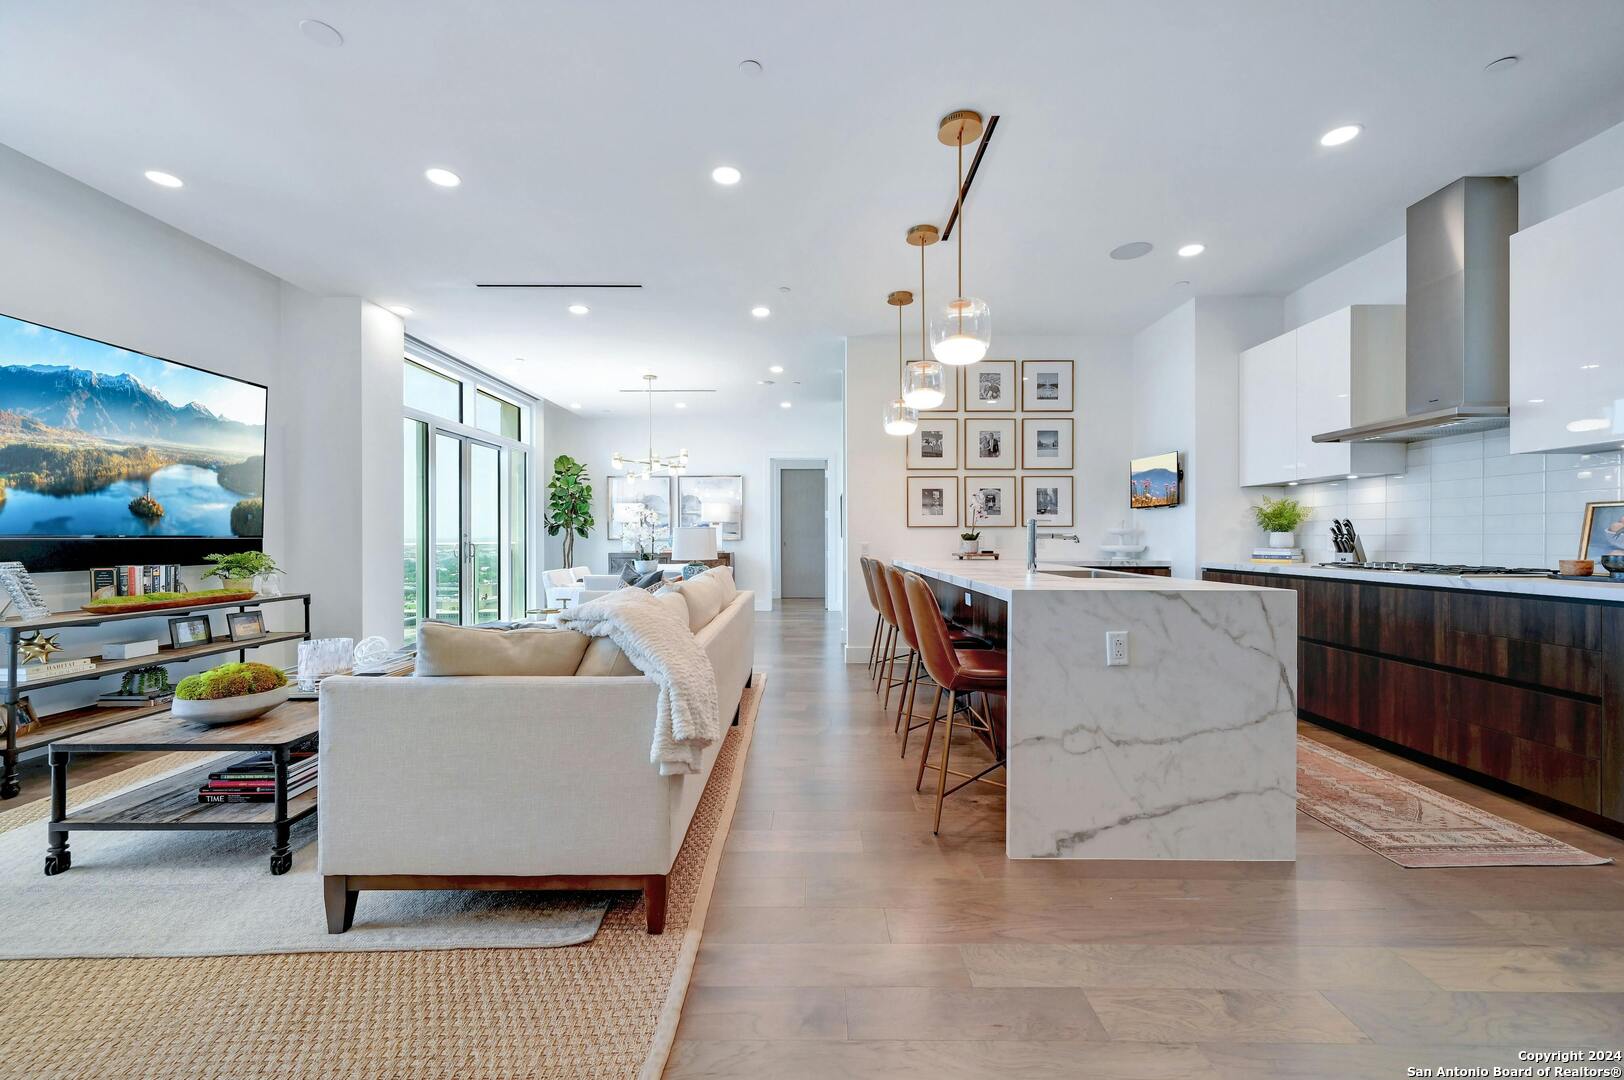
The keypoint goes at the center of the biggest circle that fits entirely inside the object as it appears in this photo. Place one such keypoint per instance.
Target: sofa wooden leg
(340, 901)
(654, 901)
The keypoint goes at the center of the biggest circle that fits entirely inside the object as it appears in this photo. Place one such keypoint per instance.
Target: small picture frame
(934, 444)
(992, 500)
(933, 502)
(245, 625)
(1049, 499)
(1046, 442)
(1046, 386)
(27, 718)
(190, 630)
(990, 387)
(950, 393)
(989, 444)
(1603, 531)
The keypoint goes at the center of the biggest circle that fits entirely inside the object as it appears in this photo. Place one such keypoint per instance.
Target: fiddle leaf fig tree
(569, 504)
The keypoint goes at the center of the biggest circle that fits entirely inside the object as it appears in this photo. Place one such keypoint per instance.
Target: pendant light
(961, 332)
(900, 417)
(924, 382)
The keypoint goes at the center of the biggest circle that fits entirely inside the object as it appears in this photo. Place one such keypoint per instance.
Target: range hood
(1457, 364)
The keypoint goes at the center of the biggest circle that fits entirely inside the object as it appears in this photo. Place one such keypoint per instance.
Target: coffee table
(170, 803)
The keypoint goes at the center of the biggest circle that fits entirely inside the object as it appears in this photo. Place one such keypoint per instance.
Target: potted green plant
(569, 504)
(1280, 518)
(642, 537)
(970, 538)
(229, 693)
(244, 571)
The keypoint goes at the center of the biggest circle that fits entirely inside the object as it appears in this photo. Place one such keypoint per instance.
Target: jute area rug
(1413, 825)
(607, 1008)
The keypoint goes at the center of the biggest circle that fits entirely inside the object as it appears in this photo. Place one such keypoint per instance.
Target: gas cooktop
(1453, 569)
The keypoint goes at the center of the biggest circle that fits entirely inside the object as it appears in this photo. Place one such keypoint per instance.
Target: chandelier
(900, 418)
(654, 464)
(924, 384)
(961, 331)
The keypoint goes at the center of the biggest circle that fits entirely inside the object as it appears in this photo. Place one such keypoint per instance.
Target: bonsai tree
(569, 504)
(229, 681)
(242, 566)
(1280, 515)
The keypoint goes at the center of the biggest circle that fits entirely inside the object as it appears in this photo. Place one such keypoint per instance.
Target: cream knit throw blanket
(658, 644)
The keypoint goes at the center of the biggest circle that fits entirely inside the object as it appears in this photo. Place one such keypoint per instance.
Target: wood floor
(845, 940)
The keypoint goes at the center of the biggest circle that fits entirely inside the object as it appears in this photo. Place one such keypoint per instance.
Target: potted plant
(970, 538)
(642, 536)
(1280, 518)
(229, 693)
(569, 504)
(245, 571)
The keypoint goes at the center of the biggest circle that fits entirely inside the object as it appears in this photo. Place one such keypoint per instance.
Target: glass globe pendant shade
(900, 419)
(961, 332)
(924, 385)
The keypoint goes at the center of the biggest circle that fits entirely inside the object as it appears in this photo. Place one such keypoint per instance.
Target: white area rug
(212, 894)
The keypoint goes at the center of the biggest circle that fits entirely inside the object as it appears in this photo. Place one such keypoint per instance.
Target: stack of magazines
(120, 700)
(254, 779)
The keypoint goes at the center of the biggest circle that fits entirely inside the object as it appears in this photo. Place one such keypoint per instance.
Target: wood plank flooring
(844, 940)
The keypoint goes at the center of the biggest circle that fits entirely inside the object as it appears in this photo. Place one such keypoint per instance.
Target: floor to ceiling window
(467, 528)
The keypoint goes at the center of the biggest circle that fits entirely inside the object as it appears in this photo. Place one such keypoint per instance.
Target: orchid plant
(642, 532)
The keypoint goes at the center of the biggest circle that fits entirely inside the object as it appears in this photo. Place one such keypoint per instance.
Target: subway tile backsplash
(1466, 500)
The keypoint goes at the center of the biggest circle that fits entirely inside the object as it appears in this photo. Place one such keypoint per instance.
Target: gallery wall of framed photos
(1002, 444)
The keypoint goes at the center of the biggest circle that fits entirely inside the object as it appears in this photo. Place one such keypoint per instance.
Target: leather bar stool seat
(980, 669)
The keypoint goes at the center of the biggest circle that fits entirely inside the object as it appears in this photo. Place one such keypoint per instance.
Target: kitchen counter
(1602, 590)
(1186, 752)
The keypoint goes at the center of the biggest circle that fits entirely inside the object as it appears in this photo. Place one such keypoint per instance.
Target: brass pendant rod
(962, 223)
(924, 333)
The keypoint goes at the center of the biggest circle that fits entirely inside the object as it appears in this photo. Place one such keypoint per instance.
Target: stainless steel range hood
(1457, 369)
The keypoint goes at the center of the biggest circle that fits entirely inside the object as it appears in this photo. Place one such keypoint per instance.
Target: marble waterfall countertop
(1601, 589)
(1188, 751)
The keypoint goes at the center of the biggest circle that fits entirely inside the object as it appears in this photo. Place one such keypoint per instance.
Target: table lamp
(693, 543)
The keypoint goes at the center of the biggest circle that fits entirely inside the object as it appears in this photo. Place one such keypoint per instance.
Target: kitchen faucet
(1033, 536)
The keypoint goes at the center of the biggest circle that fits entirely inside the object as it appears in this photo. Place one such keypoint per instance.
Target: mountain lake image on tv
(1154, 481)
(99, 442)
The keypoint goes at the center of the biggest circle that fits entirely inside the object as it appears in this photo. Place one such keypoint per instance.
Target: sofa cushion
(706, 596)
(603, 657)
(674, 601)
(443, 649)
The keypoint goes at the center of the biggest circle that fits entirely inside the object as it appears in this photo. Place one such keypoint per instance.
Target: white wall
(734, 445)
(875, 506)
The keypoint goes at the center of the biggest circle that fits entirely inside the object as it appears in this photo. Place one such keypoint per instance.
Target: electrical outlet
(1116, 648)
(968, 601)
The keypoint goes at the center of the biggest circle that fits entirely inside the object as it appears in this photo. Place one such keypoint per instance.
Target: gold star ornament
(36, 648)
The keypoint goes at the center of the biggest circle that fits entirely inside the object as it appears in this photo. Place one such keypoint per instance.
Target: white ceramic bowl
(230, 710)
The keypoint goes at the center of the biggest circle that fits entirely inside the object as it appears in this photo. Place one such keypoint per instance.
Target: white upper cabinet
(1567, 330)
(1337, 371)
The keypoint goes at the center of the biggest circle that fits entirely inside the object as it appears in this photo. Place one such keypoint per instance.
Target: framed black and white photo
(190, 630)
(1046, 386)
(1046, 442)
(712, 500)
(245, 625)
(627, 493)
(950, 392)
(934, 444)
(992, 499)
(990, 387)
(1049, 499)
(989, 444)
(933, 502)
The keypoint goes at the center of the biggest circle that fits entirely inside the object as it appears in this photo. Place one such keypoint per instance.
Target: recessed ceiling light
(1588, 367)
(575, 404)
(1594, 423)
(321, 33)
(1189, 251)
(783, 404)
(777, 369)
(750, 68)
(1536, 401)
(1505, 63)
(783, 288)
(442, 177)
(681, 404)
(1339, 135)
(1136, 249)
(163, 179)
(400, 309)
(726, 175)
(578, 309)
(761, 311)
(1182, 283)
(1291, 483)
(1353, 476)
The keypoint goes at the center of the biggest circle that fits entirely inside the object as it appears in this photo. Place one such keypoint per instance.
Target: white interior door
(801, 525)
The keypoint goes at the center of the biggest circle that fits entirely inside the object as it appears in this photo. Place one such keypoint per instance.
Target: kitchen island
(1187, 751)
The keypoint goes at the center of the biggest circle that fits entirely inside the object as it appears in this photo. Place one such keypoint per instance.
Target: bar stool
(956, 672)
(889, 653)
(879, 620)
(914, 671)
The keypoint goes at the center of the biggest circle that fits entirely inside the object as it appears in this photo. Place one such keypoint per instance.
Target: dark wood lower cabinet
(1524, 692)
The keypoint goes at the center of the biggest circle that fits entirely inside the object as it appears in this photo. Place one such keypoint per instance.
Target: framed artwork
(989, 444)
(934, 444)
(1604, 530)
(950, 392)
(245, 625)
(1049, 499)
(1046, 386)
(1155, 481)
(992, 501)
(190, 630)
(1046, 443)
(933, 502)
(712, 500)
(990, 387)
(626, 493)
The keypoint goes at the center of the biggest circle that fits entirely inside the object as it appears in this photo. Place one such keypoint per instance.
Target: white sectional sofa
(510, 782)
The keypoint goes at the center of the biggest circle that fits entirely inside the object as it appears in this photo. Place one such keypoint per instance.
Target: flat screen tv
(1154, 481)
(111, 456)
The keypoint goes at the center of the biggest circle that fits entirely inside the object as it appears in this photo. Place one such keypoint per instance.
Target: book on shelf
(51, 669)
(208, 795)
(260, 776)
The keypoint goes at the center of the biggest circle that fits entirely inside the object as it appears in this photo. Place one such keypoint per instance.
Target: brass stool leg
(909, 682)
(907, 729)
(941, 775)
(930, 733)
(874, 643)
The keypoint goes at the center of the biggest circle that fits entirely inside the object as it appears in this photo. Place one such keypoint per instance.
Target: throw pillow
(603, 657)
(703, 596)
(629, 574)
(674, 601)
(443, 649)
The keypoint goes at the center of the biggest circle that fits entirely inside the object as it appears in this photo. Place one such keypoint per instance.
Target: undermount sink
(1084, 572)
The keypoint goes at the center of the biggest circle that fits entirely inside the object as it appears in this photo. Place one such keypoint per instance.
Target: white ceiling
(585, 134)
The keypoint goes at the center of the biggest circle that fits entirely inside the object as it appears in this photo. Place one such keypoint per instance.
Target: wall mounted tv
(1155, 481)
(110, 456)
